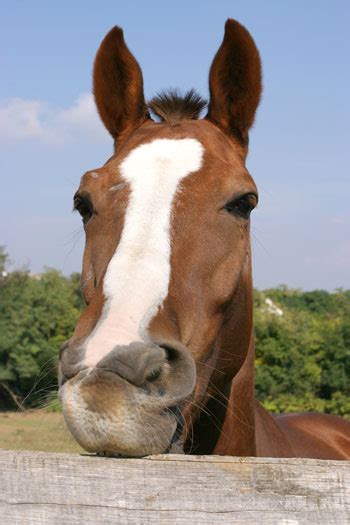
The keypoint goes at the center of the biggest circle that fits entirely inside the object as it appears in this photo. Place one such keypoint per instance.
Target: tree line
(302, 342)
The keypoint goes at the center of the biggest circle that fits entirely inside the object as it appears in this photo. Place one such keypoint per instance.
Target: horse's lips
(120, 430)
(176, 439)
(80, 375)
(175, 445)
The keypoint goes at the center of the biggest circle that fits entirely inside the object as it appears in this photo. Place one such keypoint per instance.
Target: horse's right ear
(118, 86)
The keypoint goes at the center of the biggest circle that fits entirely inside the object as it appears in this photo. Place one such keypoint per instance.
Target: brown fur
(207, 317)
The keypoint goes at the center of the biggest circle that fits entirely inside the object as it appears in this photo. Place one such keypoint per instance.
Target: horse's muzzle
(129, 403)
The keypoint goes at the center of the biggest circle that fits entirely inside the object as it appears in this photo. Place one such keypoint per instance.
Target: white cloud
(338, 220)
(23, 120)
(336, 258)
(20, 119)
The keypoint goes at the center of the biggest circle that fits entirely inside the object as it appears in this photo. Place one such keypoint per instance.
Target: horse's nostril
(154, 374)
(171, 353)
(136, 363)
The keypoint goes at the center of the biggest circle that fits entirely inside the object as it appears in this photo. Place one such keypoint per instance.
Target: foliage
(303, 356)
(302, 350)
(37, 314)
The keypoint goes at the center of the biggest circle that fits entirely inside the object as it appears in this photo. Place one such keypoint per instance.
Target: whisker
(40, 376)
(260, 243)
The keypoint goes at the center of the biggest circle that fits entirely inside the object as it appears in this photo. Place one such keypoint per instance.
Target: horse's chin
(113, 418)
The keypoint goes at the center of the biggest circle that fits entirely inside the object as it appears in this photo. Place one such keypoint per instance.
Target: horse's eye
(243, 205)
(83, 205)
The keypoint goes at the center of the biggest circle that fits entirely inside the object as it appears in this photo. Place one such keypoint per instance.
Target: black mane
(170, 105)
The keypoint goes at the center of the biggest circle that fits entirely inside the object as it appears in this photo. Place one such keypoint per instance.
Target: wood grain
(48, 488)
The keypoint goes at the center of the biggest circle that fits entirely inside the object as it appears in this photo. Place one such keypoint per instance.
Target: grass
(36, 430)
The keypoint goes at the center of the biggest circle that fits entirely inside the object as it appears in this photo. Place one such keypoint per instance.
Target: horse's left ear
(118, 85)
(235, 82)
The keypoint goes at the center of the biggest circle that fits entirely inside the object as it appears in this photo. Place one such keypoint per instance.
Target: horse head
(167, 263)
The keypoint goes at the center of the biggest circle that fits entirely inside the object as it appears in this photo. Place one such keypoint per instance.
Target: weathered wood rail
(173, 489)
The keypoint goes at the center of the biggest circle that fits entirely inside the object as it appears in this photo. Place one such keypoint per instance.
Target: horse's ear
(235, 82)
(118, 85)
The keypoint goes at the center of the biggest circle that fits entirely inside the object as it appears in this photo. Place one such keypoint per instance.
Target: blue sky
(299, 153)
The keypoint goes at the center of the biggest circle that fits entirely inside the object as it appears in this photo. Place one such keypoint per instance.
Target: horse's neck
(226, 425)
(237, 437)
(231, 419)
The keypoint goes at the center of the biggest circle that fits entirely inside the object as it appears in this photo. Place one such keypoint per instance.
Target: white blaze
(137, 278)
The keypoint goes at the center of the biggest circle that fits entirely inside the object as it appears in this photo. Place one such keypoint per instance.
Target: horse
(162, 358)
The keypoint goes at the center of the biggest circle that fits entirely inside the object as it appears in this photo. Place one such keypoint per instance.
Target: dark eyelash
(242, 205)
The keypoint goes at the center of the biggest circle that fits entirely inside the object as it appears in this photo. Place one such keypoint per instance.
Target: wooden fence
(171, 489)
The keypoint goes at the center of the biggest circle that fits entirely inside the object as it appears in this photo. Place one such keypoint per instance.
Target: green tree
(303, 356)
(37, 314)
